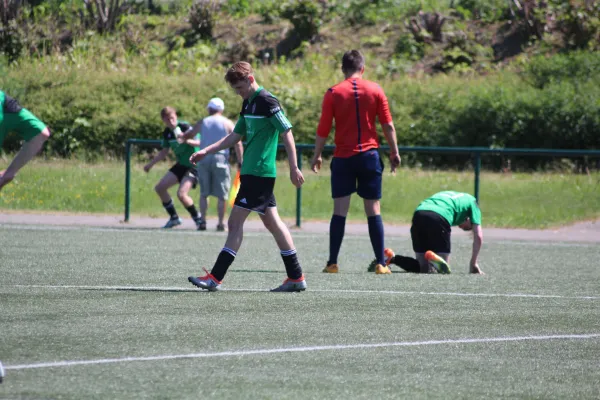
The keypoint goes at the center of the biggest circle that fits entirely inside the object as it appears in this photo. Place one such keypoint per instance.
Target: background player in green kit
(14, 118)
(431, 228)
(183, 171)
(261, 123)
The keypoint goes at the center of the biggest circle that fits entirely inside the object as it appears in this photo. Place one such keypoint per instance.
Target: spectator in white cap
(213, 171)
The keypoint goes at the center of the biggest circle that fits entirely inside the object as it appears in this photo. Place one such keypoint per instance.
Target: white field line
(399, 292)
(239, 353)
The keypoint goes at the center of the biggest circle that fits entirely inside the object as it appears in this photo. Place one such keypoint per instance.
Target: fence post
(477, 172)
(127, 179)
(299, 190)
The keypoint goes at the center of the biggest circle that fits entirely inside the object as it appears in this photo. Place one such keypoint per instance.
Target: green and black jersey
(261, 122)
(14, 118)
(455, 207)
(183, 151)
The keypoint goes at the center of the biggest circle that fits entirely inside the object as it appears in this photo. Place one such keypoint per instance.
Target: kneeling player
(431, 229)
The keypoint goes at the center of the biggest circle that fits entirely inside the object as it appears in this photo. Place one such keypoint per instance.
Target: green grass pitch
(112, 309)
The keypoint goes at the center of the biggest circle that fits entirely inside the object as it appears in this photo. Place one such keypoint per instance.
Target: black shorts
(430, 231)
(256, 193)
(181, 171)
(361, 173)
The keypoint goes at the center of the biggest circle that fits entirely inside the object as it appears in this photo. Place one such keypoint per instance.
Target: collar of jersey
(251, 99)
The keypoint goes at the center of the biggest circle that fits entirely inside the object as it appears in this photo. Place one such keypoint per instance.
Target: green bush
(269, 10)
(305, 15)
(203, 17)
(578, 21)
(372, 12)
(541, 71)
(96, 111)
(409, 47)
(487, 10)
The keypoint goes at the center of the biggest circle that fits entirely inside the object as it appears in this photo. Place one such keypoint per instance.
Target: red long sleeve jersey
(354, 104)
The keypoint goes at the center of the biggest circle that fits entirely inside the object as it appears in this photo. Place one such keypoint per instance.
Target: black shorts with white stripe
(256, 193)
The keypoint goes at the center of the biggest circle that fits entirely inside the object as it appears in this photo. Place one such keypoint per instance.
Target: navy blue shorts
(360, 173)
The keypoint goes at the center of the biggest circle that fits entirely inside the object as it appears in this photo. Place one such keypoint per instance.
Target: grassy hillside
(456, 72)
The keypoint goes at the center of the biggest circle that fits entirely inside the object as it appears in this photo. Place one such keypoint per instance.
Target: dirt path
(581, 232)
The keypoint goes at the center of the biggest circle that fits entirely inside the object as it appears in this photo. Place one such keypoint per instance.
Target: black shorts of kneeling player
(430, 231)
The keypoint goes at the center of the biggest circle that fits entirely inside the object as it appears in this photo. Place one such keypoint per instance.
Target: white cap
(216, 104)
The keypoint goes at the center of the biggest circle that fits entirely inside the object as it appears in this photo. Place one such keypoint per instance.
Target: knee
(158, 188)
(181, 195)
(270, 225)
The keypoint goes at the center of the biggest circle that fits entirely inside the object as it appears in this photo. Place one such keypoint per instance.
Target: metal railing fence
(476, 152)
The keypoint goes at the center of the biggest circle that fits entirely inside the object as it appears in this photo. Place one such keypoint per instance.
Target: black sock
(170, 207)
(376, 235)
(408, 264)
(292, 266)
(337, 227)
(224, 260)
(193, 212)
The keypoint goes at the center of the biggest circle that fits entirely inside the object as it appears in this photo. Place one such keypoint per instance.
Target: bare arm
(477, 242)
(239, 152)
(225, 143)
(238, 147)
(317, 160)
(157, 158)
(390, 135)
(27, 152)
(193, 142)
(323, 130)
(192, 132)
(290, 147)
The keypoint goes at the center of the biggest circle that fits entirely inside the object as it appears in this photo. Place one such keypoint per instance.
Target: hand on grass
(474, 269)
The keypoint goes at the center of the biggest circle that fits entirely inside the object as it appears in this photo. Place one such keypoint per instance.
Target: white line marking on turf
(295, 350)
(180, 289)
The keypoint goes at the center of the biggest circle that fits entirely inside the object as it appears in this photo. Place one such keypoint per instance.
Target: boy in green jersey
(261, 123)
(14, 118)
(183, 172)
(430, 232)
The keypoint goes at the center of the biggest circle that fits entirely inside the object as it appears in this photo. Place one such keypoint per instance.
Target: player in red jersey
(354, 104)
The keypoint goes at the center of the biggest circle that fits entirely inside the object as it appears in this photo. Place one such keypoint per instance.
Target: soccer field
(94, 313)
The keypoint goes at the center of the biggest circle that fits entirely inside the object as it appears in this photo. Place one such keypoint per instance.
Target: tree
(104, 15)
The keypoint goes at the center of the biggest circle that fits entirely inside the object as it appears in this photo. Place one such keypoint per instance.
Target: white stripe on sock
(228, 250)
